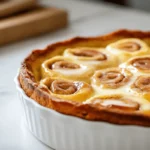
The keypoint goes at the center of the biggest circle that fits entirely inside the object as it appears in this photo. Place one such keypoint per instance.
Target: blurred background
(138, 4)
(20, 19)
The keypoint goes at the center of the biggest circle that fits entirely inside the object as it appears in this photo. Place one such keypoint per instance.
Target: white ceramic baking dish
(63, 132)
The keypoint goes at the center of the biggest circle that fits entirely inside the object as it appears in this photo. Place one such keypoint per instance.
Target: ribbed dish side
(63, 132)
(37, 124)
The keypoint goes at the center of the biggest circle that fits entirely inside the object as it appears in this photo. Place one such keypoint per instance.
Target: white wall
(141, 4)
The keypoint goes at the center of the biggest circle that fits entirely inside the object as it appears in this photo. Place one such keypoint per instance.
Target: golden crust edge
(85, 111)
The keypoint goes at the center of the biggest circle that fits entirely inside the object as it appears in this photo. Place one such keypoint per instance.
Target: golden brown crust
(85, 111)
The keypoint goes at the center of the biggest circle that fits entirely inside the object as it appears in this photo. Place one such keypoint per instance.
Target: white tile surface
(86, 19)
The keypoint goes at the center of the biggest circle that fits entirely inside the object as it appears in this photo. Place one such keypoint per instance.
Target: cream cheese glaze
(89, 75)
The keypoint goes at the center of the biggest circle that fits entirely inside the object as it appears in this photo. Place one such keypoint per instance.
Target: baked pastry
(117, 101)
(67, 89)
(138, 65)
(65, 67)
(105, 78)
(111, 80)
(141, 87)
(128, 47)
(97, 58)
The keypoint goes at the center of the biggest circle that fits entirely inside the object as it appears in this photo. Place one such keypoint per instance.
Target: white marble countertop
(86, 19)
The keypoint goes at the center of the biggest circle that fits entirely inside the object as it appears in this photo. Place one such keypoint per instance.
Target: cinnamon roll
(127, 48)
(96, 57)
(111, 80)
(142, 86)
(119, 101)
(66, 89)
(60, 66)
(138, 65)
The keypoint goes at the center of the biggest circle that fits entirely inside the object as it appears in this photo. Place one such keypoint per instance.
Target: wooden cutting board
(9, 7)
(31, 23)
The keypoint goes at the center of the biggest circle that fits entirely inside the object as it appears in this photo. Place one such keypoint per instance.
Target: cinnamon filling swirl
(116, 102)
(129, 46)
(111, 79)
(90, 53)
(64, 65)
(64, 87)
(141, 63)
(142, 83)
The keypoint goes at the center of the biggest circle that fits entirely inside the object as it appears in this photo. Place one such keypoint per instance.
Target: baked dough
(105, 78)
(111, 81)
(65, 67)
(113, 101)
(127, 48)
(67, 89)
(97, 58)
(138, 65)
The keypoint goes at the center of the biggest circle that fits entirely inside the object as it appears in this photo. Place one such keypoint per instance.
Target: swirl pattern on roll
(139, 64)
(67, 89)
(127, 48)
(60, 66)
(111, 78)
(98, 58)
(141, 88)
(142, 84)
